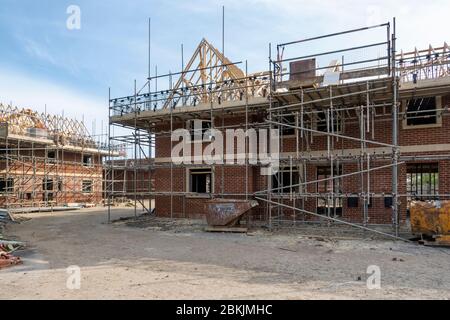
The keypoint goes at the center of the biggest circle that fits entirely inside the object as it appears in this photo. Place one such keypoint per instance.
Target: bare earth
(119, 261)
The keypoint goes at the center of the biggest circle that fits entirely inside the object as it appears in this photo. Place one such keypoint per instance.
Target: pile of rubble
(150, 222)
(6, 258)
(7, 247)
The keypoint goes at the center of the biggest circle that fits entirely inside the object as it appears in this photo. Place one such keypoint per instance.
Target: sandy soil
(163, 260)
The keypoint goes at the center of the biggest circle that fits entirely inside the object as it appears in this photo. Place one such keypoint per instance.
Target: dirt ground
(160, 259)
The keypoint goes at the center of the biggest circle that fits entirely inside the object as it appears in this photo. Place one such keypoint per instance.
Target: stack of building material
(6, 258)
(7, 247)
(19, 121)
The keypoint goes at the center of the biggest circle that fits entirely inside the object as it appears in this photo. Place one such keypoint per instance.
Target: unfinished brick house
(130, 180)
(364, 129)
(47, 161)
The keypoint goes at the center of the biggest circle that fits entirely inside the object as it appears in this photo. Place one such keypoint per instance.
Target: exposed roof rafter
(206, 68)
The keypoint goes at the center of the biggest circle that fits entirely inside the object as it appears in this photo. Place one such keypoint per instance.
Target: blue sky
(44, 63)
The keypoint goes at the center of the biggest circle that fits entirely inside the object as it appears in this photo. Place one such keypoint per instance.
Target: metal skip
(226, 212)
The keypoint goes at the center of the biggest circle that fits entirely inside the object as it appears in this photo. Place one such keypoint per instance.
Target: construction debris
(150, 222)
(7, 246)
(6, 258)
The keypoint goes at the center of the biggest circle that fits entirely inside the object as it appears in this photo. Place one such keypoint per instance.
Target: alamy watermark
(374, 280)
(73, 281)
(73, 21)
(210, 146)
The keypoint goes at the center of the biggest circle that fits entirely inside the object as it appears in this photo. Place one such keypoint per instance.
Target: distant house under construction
(47, 160)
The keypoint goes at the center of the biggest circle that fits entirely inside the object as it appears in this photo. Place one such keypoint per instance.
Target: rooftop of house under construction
(31, 126)
(48, 161)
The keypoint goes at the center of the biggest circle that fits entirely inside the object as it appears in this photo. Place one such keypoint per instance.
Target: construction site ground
(156, 258)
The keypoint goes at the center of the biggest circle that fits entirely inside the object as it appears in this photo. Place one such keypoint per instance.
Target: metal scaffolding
(361, 88)
(47, 160)
(310, 106)
(207, 83)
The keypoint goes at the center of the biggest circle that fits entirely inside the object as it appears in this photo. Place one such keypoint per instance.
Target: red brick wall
(234, 177)
(28, 188)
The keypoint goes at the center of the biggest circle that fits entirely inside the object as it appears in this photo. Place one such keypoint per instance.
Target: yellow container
(431, 219)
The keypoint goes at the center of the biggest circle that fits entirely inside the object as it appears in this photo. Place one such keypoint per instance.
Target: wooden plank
(435, 244)
(364, 73)
(349, 75)
(226, 229)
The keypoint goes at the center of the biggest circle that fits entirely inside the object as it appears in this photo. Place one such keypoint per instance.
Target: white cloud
(35, 50)
(41, 52)
(38, 94)
(117, 59)
(419, 23)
